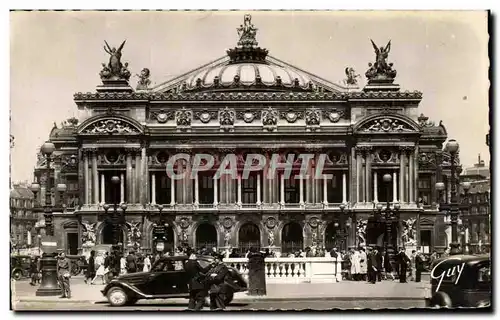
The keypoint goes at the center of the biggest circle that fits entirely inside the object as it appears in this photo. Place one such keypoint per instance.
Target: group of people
(373, 265)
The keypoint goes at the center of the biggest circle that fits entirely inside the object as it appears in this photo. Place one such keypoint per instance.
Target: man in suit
(419, 265)
(402, 261)
(372, 265)
(196, 274)
(131, 262)
(215, 283)
(379, 258)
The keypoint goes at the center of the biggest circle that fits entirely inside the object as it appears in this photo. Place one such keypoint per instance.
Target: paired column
(103, 189)
(325, 193)
(359, 163)
(402, 174)
(137, 177)
(86, 177)
(129, 177)
(153, 189)
(282, 188)
(344, 188)
(216, 191)
(122, 188)
(259, 202)
(394, 187)
(375, 187)
(172, 192)
(411, 177)
(301, 190)
(196, 190)
(368, 174)
(95, 177)
(239, 190)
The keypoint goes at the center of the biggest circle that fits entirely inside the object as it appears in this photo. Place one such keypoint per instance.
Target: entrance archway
(248, 237)
(206, 236)
(107, 234)
(292, 239)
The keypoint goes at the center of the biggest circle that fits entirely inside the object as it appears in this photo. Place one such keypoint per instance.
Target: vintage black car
(461, 281)
(20, 266)
(167, 279)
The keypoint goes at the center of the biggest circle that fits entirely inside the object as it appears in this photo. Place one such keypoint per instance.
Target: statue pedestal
(114, 85)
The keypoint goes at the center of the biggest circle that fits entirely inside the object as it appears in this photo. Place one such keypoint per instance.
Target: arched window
(206, 236)
(292, 238)
(249, 236)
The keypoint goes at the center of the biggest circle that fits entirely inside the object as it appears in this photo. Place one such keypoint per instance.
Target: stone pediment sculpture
(88, 235)
(351, 76)
(409, 236)
(270, 237)
(110, 126)
(227, 238)
(381, 70)
(144, 82)
(361, 225)
(384, 125)
(114, 70)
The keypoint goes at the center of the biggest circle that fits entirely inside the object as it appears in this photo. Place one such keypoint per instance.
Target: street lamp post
(116, 220)
(388, 212)
(49, 285)
(453, 206)
(160, 231)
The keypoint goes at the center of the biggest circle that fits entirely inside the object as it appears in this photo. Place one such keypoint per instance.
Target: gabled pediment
(110, 124)
(384, 124)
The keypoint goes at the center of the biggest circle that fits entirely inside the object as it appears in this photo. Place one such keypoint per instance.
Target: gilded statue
(114, 68)
(381, 69)
(247, 32)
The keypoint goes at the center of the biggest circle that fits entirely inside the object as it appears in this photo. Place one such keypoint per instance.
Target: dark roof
(469, 260)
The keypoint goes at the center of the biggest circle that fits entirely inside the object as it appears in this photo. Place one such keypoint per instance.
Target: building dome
(247, 75)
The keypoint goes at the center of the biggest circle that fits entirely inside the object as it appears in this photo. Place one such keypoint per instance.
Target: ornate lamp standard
(116, 220)
(453, 206)
(389, 213)
(344, 232)
(49, 285)
(465, 206)
(160, 231)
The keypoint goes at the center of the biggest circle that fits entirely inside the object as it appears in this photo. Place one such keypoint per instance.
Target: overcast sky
(55, 54)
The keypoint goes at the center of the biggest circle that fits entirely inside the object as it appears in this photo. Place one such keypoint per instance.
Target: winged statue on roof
(381, 68)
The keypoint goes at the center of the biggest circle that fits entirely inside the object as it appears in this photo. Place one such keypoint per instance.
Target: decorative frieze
(313, 119)
(334, 115)
(183, 119)
(110, 126)
(205, 116)
(386, 125)
(291, 115)
(162, 116)
(226, 119)
(248, 115)
(270, 119)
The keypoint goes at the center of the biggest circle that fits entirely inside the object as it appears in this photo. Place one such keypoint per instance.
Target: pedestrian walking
(100, 270)
(34, 271)
(90, 272)
(388, 266)
(363, 264)
(196, 275)
(147, 264)
(412, 265)
(131, 262)
(355, 265)
(403, 261)
(64, 273)
(123, 265)
(215, 282)
(379, 259)
(371, 266)
(419, 265)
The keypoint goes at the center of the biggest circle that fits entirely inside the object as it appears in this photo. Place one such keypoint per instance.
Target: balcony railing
(294, 270)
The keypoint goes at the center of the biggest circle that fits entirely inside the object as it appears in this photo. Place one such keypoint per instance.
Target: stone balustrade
(294, 270)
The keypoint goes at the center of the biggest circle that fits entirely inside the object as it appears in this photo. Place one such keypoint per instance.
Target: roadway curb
(238, 300)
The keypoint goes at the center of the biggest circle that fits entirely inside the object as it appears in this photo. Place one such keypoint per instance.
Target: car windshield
(168, 265)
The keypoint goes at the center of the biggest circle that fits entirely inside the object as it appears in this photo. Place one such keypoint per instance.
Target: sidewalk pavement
(22, 291)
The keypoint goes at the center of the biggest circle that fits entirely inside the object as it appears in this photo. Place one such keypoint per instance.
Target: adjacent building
(250, 102)
(23, 220)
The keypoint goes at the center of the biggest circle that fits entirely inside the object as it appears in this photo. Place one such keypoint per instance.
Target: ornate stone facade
(249, 102)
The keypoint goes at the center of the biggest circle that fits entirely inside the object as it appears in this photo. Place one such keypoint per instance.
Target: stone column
(196, 190)
(143, 190)
(415, 174)
(216, 202)
(95, 177)
(86, 178)
(411, 177)
(130, 186)
(325, 188)
(239, 190)
(368, 175)
(375, 187)
(259, 202)
(344, 188)
(301, 190)
(402, 164)
(103, 189)
(282, 188)
(394, 187)
(137, 177)
(122, 188)
(172, 192)
(153, 189)
(359, 163)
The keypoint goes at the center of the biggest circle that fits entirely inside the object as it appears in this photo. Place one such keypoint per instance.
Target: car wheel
(228, 297)
(117, 297)
(441, 300)
(17, 275)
